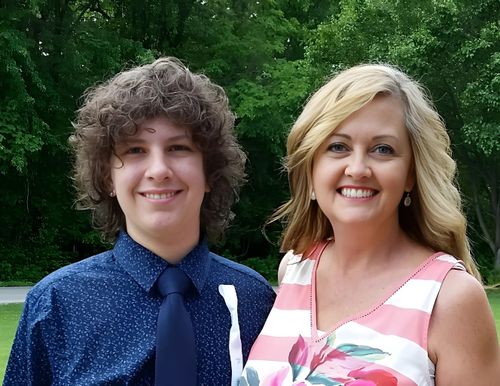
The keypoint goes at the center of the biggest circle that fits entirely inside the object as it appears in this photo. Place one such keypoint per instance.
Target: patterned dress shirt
(94, 322)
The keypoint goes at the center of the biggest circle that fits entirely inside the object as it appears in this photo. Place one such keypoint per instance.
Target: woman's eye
(337, 147)
(384, 149)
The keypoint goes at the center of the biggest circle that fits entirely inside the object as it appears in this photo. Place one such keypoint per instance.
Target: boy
(158, 165)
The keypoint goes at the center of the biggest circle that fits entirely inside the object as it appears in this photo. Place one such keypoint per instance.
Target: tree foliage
(453, 48)
(269, 55)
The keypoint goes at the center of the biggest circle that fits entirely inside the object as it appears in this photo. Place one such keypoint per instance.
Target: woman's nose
(358, 167)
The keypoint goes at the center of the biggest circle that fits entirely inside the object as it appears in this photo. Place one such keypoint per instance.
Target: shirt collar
(144, 266)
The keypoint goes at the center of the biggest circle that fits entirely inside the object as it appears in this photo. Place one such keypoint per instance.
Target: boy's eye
(337, 147)
(135, 150)
(384, 149)
(179, 148)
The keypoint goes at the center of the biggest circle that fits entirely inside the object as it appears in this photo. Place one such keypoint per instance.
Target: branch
(496, 201)
(94, 5)
(486, 235)
(98, 8)
(82, 13)
(185, 9)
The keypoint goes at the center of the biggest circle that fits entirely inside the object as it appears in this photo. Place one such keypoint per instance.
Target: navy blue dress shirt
(94, 322)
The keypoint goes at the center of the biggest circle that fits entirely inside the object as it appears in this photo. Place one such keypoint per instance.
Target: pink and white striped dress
(386, 345)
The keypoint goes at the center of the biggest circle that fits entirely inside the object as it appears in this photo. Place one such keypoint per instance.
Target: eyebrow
(377, 137)
(179, 137)
(136, 139)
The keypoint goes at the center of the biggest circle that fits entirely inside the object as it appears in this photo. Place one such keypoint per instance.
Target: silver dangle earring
(407, 200)
(313, 196)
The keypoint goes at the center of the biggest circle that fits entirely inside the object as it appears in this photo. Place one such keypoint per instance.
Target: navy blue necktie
(175, 348)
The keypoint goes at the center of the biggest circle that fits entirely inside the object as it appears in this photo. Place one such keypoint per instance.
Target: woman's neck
(367, 245)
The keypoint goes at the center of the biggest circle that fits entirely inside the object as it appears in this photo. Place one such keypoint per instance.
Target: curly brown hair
(115, 109)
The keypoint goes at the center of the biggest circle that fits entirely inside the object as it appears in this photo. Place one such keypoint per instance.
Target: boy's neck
(172, 248)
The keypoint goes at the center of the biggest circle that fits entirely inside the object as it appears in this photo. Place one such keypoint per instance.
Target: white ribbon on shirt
(228, 292)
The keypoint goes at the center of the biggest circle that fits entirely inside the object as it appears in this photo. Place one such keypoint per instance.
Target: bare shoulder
(463, 342)
(283, 265)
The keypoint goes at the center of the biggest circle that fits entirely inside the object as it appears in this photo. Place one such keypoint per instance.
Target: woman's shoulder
(460, 292)
(290, 256)
(460, 289)
(302, 261)
(462, 329)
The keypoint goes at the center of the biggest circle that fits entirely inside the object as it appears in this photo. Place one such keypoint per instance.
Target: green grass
(15, 283)
(9, 317)
(10, 313)
(494, 298)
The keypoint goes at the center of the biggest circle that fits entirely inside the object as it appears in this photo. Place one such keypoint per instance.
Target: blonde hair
(434, 219)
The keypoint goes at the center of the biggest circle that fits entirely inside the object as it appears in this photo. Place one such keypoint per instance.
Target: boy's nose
(159, 168)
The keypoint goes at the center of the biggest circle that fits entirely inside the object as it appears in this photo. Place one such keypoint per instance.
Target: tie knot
(173, 280)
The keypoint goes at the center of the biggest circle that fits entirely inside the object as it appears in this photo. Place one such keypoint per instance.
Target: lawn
(494, 298)
(9, 316)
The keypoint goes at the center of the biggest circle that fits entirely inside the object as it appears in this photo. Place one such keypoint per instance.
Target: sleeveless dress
(386, 345)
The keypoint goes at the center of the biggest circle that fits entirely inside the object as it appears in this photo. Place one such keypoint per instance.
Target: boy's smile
(160, 183)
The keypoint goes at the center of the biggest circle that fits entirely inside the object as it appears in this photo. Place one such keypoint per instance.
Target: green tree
(479, 102)
(453, 48)
(49, 56)
(55, 49)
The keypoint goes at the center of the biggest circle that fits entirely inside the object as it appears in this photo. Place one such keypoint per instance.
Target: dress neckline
(316, 254)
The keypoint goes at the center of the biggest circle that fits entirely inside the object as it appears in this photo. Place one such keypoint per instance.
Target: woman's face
(362, 170)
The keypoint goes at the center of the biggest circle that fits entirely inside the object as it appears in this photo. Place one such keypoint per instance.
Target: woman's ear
(410, 178)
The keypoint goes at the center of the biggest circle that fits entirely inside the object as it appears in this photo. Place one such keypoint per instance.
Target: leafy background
(269, 55)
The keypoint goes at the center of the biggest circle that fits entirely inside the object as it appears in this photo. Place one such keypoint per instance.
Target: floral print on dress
(311, 364)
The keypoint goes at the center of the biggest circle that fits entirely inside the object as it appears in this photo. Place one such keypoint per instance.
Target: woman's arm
(463, 342)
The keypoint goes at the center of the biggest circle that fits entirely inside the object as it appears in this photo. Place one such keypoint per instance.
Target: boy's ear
(110, 187)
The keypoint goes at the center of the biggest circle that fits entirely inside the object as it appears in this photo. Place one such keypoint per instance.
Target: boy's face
(160, 182)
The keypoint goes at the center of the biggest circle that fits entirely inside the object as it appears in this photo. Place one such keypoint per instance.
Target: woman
(378, 286)
(158, 164)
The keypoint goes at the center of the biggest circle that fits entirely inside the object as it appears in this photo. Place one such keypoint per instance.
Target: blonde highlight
(435, 218)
